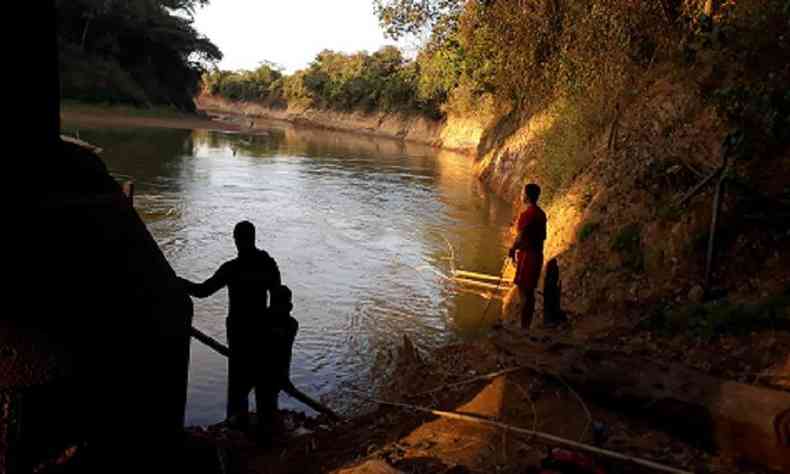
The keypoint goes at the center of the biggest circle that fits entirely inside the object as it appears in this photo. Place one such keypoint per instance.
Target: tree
(399, 18)
(142, 51)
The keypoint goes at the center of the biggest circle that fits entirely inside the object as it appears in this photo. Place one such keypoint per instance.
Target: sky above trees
(290, 33)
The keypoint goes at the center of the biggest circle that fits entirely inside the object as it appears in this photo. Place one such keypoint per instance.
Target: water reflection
(350, 220)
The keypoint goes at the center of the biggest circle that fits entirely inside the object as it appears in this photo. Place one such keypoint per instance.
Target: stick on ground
(479, 378)
(545, 436)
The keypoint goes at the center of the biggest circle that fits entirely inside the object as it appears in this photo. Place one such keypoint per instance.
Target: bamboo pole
(82, 143)
(481, 276)
(491, 286)
(714, 224)
(699, 186)
(210, 342)
(288, 386)
(538, 434)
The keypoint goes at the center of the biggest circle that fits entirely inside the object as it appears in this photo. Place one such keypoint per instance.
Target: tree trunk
(711, 7)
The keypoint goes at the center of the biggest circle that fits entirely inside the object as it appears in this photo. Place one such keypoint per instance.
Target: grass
(566, 147)
(719, 318)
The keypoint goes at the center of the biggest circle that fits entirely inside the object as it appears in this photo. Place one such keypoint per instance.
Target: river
(360, 227)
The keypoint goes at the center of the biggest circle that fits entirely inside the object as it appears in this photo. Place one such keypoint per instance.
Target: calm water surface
(359, 227)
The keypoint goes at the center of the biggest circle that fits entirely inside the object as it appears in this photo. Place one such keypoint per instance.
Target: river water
(360, 227)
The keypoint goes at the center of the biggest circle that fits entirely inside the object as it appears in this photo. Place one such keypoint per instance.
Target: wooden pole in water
(288, 387)
(481, 276)
(128, 190)
(714, 223)
(481, 284)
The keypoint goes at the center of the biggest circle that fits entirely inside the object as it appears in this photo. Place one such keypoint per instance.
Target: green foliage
(717, 318)
(399, 18)
(142, 52)
(360, 81)
(295, 91)
(526, 51)
(628, 243)
(465, 101)
(580, 59)
(383, 80)
(263, 84)
(564, 154)
(439, 71)
(587, 230)
(745, 42)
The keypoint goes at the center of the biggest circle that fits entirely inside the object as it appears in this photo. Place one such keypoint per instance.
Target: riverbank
(453, 133)
(495, 378)
(126, 116)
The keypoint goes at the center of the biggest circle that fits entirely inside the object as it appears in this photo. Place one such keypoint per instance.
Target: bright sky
(288, 32)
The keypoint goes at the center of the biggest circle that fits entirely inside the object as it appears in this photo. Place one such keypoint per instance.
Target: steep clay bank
(455, 133)
(625, 247)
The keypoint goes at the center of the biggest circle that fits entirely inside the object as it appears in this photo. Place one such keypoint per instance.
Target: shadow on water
(359, 227)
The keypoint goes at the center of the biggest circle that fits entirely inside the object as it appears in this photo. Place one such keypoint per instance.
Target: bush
(628, 243)
(717, 318)
(587, 230)
(96, 80)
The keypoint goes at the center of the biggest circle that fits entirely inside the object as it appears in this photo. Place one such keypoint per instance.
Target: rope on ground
(538, 434)
(581, 401)
(501, 277)
(479, 378)
(532, 404)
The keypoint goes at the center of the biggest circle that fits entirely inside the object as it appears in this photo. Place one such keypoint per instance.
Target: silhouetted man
(527, 251)
(249, 278)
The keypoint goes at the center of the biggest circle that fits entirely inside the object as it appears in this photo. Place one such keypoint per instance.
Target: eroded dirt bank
(455, 133)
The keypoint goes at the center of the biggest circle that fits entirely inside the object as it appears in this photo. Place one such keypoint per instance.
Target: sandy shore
(128, 117)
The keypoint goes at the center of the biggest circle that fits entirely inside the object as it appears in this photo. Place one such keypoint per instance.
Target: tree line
(383, 80)
(491, 58)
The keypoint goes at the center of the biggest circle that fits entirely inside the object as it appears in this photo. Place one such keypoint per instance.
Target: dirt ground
(394, 439)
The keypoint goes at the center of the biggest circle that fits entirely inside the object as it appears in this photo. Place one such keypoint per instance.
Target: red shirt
(532, 229)
(529, 260)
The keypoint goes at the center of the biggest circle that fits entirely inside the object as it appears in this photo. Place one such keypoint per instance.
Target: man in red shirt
(527, 251)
